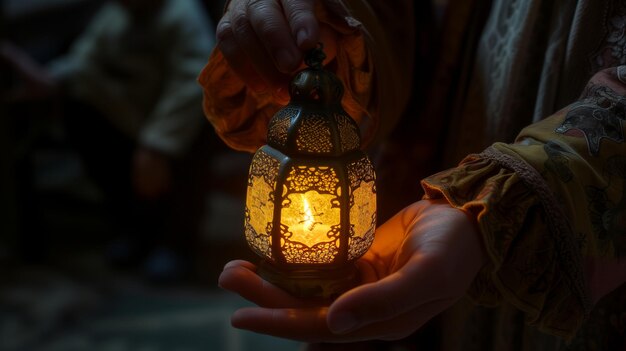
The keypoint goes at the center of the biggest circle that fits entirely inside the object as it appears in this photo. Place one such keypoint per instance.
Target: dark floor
(48, 310)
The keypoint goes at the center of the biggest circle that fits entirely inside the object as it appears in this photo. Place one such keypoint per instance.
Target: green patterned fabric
(551, 208)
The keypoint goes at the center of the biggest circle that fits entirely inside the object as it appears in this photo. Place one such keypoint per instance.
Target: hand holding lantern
(421, 262)
(311, 204)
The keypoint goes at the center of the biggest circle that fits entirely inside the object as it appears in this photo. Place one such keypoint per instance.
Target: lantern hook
(314, 58)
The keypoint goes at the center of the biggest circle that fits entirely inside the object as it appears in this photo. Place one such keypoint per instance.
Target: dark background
(58, 290)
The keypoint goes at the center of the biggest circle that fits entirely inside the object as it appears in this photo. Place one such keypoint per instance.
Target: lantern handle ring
(314, 58)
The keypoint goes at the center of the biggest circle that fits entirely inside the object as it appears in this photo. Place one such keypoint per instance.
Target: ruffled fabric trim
(534, 261)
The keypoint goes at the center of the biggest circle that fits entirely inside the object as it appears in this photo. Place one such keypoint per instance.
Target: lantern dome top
(314, 84)
(314, 122)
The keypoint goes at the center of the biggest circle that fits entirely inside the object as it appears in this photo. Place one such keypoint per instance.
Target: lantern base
(311, 282)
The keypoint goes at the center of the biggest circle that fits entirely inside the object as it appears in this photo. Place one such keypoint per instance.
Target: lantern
(311, 197)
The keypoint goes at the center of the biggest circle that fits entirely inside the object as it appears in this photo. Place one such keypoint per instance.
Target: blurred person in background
(131, 107)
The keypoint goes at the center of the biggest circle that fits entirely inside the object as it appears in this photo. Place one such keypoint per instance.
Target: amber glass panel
(310, 215)
(260, 203)
(363, 219)
(362, 207)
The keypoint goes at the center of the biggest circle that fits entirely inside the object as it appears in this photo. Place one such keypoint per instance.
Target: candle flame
(308, 220)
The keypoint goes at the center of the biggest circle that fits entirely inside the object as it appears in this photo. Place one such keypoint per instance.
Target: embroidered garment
(549, 205)
(530, 59)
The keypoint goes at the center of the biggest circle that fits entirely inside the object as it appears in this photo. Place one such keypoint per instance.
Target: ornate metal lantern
(311, 200)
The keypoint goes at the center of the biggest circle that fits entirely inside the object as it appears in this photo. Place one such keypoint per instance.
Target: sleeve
(549, 206)
(374, 60)
(176, 119)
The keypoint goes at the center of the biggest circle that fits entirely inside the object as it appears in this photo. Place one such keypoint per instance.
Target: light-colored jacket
(142, 75)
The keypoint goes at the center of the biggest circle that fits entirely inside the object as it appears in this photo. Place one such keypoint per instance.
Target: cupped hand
(421, 262)
(264, 41)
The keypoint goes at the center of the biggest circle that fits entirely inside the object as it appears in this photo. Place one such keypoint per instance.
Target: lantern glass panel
(260, 203)
(312, 223)
(362, 207)
(310, 215)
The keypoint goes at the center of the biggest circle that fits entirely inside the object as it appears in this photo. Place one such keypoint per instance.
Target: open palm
(421, 262)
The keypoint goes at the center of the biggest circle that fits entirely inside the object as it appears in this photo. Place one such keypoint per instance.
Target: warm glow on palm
(422, 261)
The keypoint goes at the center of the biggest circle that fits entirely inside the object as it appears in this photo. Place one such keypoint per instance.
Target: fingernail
(302, 36)
(342, 323)
(285, 60)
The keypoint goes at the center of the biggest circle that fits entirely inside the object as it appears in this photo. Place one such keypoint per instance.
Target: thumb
(396, 294)
(371, 303)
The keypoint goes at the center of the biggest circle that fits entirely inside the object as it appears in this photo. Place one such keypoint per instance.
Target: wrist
(467, 225)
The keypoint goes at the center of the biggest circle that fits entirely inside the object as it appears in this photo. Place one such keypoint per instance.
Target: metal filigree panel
(361, 170)
(260, 202)
(348, 133)
(279, 125)
(322, 179)
(362, 207)
(314, 135)
(321, 253)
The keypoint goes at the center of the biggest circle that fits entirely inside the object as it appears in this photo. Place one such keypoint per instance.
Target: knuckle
(268, 29)
(260, 15)
(224, 31)
(299, 12)
(240, 23)
(298, 16)
(257, 5)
